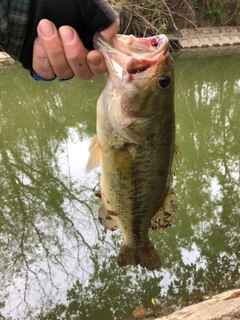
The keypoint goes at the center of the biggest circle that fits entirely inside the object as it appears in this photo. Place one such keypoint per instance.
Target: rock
(224, 306)
(5, 58)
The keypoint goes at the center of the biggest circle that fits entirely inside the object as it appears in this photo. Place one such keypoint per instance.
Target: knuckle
(43, 70)
(55, 52)
(85, 75)
(45, 74)
(64, 73)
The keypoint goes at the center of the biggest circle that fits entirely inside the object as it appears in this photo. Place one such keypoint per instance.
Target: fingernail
(66, 35)
(95, 61)
(46, 29)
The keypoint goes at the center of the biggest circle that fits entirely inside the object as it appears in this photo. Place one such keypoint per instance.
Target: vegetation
(148, 17)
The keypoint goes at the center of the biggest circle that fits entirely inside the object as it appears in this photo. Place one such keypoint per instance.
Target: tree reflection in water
(56, 261)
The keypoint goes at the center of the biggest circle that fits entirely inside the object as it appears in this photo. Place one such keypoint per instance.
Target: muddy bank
(5, 59)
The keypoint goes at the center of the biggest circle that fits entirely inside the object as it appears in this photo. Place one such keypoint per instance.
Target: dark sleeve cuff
(97, 14)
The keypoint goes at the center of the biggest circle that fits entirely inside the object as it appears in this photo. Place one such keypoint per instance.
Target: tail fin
(145, 255)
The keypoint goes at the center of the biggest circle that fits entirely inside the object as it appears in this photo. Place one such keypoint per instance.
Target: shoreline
(223, 306)
(188, 42)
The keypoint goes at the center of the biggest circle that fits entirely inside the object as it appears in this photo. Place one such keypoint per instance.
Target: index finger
(75, 52)
(53, 47)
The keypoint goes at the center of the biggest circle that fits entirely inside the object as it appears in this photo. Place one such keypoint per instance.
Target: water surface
(57, 262)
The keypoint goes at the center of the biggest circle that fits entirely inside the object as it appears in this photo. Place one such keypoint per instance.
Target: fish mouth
(130, 45)
(132, 54)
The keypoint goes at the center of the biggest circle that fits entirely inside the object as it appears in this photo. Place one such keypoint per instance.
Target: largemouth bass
(135, 144)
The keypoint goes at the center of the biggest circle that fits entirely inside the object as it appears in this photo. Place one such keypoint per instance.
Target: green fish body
(135, 144)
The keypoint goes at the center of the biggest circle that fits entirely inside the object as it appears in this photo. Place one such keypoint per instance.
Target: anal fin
(106, 218)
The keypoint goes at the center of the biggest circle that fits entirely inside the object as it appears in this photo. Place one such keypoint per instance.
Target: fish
(135, 144)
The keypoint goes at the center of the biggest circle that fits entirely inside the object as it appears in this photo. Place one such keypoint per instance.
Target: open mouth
(131, 55)
(151, 44)
(130, 45)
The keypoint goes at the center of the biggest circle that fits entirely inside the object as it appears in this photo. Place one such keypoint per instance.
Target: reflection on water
(57, 262)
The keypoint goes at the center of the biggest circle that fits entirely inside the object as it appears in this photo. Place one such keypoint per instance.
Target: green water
(57, 262)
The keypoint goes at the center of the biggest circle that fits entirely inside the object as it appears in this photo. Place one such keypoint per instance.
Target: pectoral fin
(94, 158)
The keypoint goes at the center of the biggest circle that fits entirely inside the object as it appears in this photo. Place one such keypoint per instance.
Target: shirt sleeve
(85, 16)
(98, 14)
(13, 24)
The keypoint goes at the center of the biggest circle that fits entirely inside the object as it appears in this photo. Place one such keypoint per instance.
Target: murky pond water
(57, 262)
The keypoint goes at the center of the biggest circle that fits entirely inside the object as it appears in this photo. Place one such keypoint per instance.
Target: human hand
(61, 52)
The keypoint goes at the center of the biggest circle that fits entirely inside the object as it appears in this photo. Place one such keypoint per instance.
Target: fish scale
(135, 144)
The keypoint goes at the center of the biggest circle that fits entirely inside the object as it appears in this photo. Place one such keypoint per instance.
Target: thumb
(111, 31)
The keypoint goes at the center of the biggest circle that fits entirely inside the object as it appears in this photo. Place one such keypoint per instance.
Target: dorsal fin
(176, 160)
(175, 163)
(167, 214)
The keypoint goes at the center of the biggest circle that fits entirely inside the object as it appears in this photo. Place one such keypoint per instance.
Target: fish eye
(164, 81)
